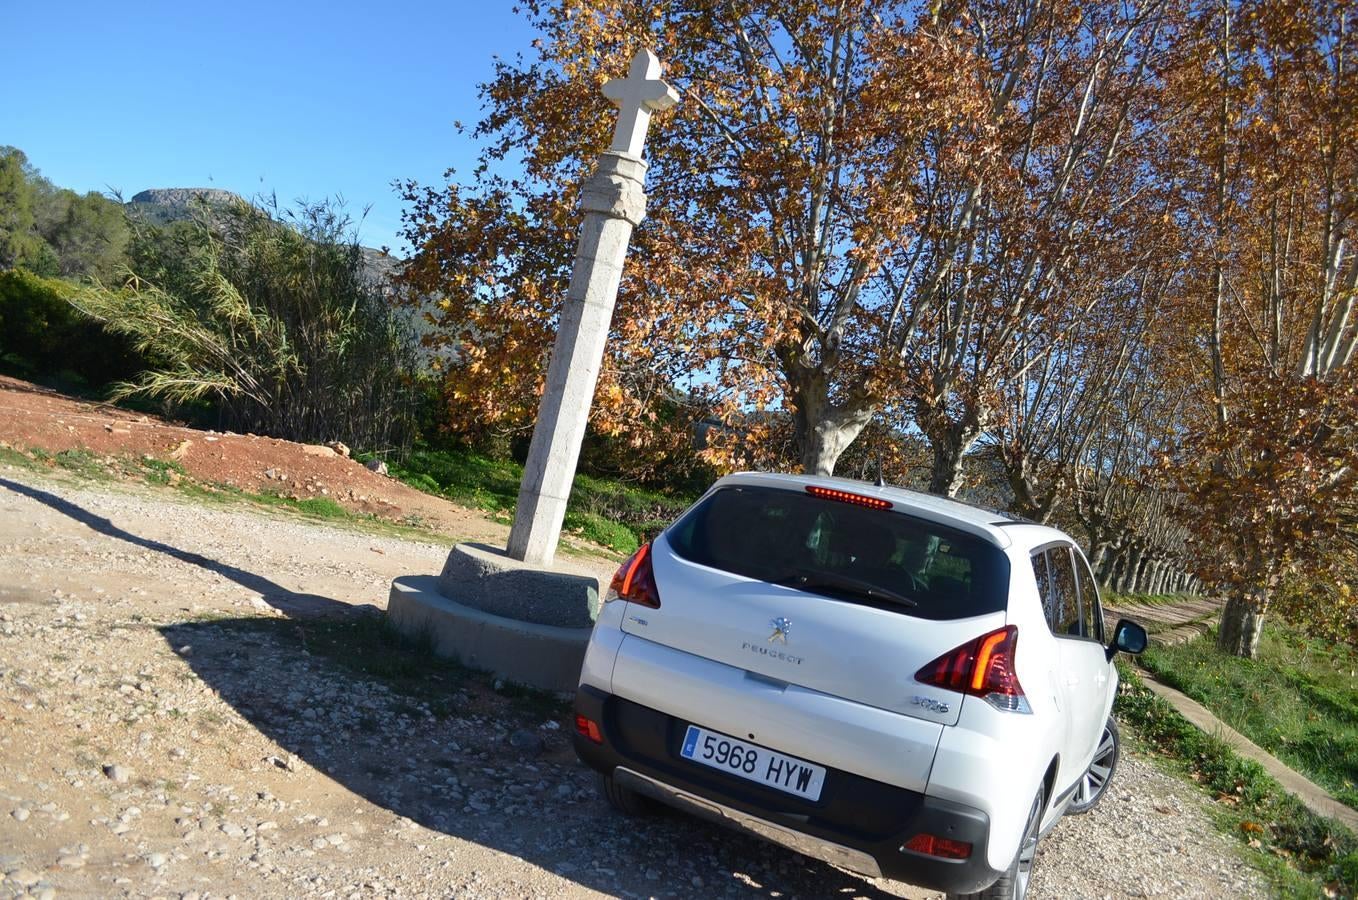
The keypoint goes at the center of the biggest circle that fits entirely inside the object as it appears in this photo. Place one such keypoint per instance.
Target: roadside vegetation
(1298, 699)
(1303, 855)
(607, 512)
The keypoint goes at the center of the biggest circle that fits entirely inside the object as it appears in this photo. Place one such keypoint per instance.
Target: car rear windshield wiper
(830, 581)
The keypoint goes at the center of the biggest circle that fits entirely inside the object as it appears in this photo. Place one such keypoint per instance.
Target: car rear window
(834, 548)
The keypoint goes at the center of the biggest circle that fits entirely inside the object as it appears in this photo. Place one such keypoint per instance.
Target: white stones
(157, 860)
(117, 774)
(21, 814)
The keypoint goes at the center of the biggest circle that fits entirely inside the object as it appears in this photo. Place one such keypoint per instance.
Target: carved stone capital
(616, 188)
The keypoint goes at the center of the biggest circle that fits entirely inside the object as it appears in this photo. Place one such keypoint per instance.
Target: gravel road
(164, 731)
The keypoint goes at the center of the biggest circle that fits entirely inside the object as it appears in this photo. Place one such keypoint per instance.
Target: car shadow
(447, 749)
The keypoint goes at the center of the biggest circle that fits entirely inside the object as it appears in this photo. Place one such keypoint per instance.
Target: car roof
(999, 528)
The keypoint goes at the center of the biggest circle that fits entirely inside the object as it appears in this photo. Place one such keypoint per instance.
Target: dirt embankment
(35, 418)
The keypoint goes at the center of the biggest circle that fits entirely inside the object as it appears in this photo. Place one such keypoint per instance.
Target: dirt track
(176, 721)
(171, 726)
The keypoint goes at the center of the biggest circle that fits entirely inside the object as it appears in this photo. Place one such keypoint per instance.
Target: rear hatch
(825, 594)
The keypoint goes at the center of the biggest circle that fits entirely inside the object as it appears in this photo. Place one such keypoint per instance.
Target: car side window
(1064, 606)
(1090, 608)
(1042, 575)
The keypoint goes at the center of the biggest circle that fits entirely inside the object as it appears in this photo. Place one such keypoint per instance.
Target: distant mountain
(163, 205)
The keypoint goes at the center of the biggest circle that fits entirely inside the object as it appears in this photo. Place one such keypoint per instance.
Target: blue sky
(301, 98)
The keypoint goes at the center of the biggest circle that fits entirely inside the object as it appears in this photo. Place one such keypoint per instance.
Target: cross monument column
(614, 201)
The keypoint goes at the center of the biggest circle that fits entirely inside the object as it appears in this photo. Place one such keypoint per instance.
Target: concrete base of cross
(492, 612)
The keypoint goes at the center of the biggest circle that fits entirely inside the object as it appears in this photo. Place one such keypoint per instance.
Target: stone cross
(614, 203)
(637, 96)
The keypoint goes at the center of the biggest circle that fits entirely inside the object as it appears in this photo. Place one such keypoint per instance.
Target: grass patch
(1298, 699)
(81, 462)
(78, 461)
(17, 458)
(161, 471)
(1301, 853)
(615, 515)
(86, 466)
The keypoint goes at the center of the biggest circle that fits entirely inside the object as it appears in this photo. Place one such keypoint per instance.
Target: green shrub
(280, 326)
(44, 338)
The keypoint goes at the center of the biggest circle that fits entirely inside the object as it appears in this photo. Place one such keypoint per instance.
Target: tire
(624, 800)
(1013, 884)
(1094, 782)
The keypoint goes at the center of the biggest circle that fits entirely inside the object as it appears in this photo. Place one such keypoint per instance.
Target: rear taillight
(635, 581)
(983, 668)
(589, 728)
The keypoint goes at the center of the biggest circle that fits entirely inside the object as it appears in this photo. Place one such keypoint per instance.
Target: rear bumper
(858, 823)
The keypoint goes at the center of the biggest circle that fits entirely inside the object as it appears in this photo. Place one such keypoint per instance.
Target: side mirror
(1128, 637)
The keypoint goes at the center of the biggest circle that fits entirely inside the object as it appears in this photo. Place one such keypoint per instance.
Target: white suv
(899, 684)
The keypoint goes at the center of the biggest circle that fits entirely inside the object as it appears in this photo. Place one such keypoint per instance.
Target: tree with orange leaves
(861, 206)
(1271, 472)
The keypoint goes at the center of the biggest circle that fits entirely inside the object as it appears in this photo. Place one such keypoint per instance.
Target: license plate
(753, 763)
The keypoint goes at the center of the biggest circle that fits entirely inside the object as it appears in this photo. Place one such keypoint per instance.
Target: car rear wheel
(624, 800)
(1094, 782)
(1013, 884)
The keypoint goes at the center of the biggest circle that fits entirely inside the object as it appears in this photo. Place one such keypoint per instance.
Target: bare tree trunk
(1131, 567)
(1141, 582)
(823, 429)
(1098, 551)
(945, 473)
(1111, 568)
(1242, 621)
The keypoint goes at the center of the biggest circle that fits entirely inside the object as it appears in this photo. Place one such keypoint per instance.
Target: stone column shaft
(614, 202)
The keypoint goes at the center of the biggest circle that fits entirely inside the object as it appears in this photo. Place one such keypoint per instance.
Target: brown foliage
(1274, 493)
(854, 206)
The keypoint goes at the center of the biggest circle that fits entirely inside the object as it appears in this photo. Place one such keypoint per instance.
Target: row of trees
(1106, 245)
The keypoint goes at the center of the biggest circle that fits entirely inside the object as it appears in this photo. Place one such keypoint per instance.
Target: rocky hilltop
(174, 203)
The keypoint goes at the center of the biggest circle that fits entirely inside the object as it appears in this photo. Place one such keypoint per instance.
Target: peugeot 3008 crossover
(902, 685)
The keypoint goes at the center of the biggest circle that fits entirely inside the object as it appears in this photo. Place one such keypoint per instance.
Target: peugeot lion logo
(781, 626)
